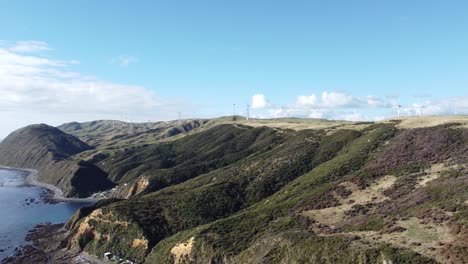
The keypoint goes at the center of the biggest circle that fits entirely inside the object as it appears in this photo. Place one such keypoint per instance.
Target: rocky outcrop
(50, 151)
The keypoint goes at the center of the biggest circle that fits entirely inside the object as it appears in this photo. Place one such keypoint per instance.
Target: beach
(57, 194)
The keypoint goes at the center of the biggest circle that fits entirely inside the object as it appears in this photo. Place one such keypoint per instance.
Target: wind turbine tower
(419, 108)
(179, 113)
(113, 128)
(234, 105)
(127, 120)
(398, 108)
(247, 113)
(354, 115)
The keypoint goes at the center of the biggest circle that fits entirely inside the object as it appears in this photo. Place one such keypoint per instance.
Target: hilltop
(50, 151)
(275, 191)
(108, 132)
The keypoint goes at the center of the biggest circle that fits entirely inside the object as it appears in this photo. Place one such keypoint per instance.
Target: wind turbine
(418, 108)
(247, 112)
(398, 108)
(113, 128)
(179, 113)
(283, 112)
(395, 98)
(354, 115)
(127, 120)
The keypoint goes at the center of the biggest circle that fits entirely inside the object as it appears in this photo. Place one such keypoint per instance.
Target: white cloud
(259, 101)
(342, 106)
(456, 105)
(307, 100)
(36, 89)
(375, 102)
(316, 114)
(29, 46)
(334, 105)
(330, 100)
(124, 60)
(337, 99)
(353, 116)
(446, 106)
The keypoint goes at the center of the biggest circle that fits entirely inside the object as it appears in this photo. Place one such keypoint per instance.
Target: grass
(240, 191)
(430, 121)
(418, 232)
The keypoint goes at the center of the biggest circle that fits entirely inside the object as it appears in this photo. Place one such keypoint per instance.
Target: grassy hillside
(225, 191)
(370, 195)
(110, 132)
(277, 191)
(321, 217)
(50, 151)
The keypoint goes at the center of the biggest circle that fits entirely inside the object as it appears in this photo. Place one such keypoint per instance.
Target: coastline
(57, 194)
(43, 243)
(47, 247)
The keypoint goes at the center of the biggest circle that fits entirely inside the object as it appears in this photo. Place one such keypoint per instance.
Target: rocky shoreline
(47, 242)
(48, 245)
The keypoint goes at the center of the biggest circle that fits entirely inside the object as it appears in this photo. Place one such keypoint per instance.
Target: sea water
(22, 208)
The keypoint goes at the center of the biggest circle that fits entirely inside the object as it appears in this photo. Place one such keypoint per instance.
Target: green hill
(374, 195)
(50, 151)
(278, 191)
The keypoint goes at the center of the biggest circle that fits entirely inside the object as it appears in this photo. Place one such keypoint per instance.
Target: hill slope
(49, 150)
(374, 195)
(277, 192)
(109, 132)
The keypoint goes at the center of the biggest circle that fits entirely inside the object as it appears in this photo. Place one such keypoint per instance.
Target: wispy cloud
(30, 46)
(124, 60)
(38, 89)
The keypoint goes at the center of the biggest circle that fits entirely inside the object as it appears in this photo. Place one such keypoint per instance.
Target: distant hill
(108, 132)
(49, 150)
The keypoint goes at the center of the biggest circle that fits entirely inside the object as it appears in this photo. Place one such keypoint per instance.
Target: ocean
(21, 209)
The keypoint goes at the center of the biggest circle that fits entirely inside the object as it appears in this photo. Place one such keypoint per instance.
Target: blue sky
(207, 55)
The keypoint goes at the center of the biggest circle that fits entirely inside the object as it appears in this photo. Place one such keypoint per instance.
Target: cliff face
(49, 150)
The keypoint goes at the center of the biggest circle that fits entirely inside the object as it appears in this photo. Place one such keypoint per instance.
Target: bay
(22, 208)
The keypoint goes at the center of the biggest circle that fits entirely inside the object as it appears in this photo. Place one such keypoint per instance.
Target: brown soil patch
(138, 242)
(98, 216)
(138, 187)
(182, 250)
